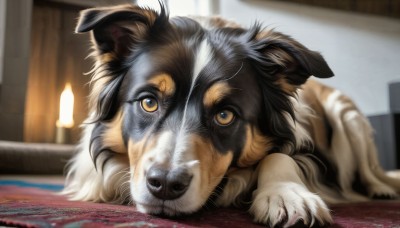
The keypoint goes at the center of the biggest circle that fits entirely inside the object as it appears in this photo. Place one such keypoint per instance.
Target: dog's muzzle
(167, 184)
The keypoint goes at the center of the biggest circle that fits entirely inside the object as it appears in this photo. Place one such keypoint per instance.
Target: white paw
(285, 204)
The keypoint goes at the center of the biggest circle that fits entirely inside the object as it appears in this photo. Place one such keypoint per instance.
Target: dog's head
(187, 103)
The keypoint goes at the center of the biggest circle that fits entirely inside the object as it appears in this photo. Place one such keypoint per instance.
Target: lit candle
(66, 120)
(66, 108)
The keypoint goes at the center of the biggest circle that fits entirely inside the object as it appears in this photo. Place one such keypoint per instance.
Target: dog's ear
(116, 33)
(282, 66)
(115, 30)
(288, 62)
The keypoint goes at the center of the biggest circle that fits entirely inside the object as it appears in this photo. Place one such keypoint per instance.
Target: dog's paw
(382, 192)
(285, 204)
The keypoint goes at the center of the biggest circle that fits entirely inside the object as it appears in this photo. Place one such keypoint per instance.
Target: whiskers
(123, 193)
(215, 192)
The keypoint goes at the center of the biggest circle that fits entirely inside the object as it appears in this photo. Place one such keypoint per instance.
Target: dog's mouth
(178, 179)
(172, 192)
(162, 209)
(186, 205)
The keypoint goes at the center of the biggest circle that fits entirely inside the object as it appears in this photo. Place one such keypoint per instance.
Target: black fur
(239, 56)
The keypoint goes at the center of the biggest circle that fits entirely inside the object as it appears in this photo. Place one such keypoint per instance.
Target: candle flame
(66, 108)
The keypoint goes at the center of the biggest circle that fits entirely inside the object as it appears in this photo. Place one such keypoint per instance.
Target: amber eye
(224, 117)
(149, 104)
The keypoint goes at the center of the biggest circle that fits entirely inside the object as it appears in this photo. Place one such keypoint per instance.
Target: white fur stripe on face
(202, 58)
(179, 146)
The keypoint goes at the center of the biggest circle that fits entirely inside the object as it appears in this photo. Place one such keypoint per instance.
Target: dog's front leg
(281, 197)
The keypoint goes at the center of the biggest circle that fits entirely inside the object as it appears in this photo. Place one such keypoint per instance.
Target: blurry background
(39, 54)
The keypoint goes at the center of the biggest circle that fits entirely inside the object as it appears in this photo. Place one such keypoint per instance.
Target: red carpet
(32, 205)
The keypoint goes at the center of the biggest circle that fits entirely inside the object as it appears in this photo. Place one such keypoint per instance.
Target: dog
(189, 112)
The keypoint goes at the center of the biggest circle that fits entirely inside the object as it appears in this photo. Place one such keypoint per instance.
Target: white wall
(183, 7)
(2, 29)
(362, 50)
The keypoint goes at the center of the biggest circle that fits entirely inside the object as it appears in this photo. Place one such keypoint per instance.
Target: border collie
(190, 111)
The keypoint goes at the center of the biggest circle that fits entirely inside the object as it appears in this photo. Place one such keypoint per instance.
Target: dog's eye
(224, 117)
(149, 104)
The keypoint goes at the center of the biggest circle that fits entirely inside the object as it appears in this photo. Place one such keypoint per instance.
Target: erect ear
(288, 62)
(116, 29)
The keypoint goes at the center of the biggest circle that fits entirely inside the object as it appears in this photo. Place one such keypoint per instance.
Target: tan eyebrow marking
(215, 93)
(164, 83)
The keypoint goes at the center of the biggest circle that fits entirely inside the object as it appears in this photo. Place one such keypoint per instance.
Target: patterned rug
(26, 204)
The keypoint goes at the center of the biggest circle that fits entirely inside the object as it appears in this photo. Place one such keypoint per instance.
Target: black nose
(167, 185)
